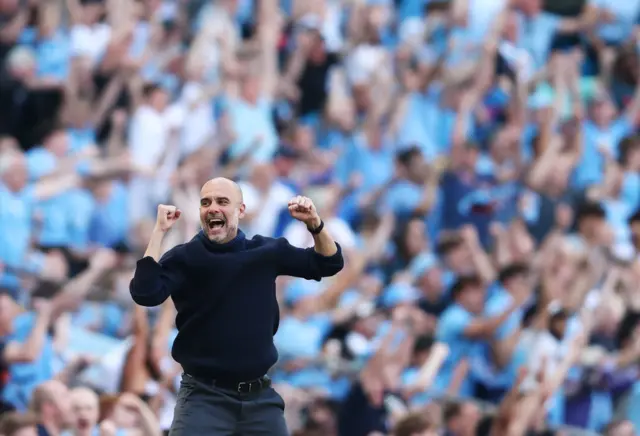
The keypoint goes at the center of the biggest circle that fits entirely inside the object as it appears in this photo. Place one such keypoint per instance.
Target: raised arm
(155, 279)
(29, 350)
(324, 260)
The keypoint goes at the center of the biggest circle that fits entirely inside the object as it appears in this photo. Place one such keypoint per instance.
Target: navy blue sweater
(225, 298)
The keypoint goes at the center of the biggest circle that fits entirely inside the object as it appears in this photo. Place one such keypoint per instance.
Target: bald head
(84, 395)
(48, 391)
(222, 184)
(221, 208)
(50, 401)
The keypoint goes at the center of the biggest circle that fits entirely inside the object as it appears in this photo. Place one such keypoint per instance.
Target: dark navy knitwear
(225, 298)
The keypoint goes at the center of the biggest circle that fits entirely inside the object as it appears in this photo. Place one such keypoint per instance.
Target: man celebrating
(223, 287)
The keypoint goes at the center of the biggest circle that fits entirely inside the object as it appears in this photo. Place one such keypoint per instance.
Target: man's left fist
(303, 209)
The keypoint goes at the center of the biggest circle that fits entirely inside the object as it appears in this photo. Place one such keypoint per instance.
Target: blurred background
(478, 161)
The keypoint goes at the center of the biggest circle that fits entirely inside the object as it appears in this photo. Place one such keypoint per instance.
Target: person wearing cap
(223, 287)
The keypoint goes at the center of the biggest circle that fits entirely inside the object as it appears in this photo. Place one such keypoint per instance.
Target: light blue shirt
(631, 190)
(16, 212)
(483, 366)
(617, 213)
(53, 56)
(415, 127)
(375, 165)
(250, 122)
(536, 34)
(301, 339)
(403, 197)
(79, 139)
(453, 322)
(80, 208)
(500, 301)
(625, 15)
(591, 166)
(26, 376)
(40, 162)
(437, 389)
(110, 223)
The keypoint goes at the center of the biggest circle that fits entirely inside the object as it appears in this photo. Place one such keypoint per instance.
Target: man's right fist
(167, 216)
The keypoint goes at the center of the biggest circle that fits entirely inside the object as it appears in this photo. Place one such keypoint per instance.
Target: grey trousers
(207, 410)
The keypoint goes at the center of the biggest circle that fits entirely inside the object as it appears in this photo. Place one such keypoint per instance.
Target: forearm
(75, 290)
(483, 264)
(164, 324)
(155, 277)
(51, 188)
(154, 247)
(148, 422)
(323, 241)
(33, 346)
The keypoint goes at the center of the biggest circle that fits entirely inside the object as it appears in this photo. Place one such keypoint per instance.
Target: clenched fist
(303, 209)
(167, 217)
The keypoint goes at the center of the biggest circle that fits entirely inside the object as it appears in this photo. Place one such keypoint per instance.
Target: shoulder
(175, 255)
(454, 314)
(259, 241)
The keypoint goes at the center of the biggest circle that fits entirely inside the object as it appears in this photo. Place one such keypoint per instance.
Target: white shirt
(198, 124)
(276, 199)
(149, 134)
(542, 347)
(481, 16)
(298, 235)
(215, 23)
(90, 41)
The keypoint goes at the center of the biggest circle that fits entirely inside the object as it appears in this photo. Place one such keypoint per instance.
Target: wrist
(159, 231)
(314, 223)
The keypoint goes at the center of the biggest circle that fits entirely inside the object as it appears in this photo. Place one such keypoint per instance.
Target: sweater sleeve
(153, 282)
(306, 263)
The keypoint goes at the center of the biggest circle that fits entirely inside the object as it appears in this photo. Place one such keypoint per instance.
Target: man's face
(458, 259)
(27, 431)
(603, 111)
(221, 209)
(431, 283)
(592, 226)
(159, 100)
(16, 176)
(417, 168)
(58, 143)
(85, 409)
(7, 312)
(251, 89)
(470, 415)
(473, 299)
(60, 404)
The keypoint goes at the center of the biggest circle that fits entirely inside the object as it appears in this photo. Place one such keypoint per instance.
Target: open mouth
(215, 223)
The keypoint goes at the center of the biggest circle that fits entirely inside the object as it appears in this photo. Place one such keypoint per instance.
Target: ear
(242, 209)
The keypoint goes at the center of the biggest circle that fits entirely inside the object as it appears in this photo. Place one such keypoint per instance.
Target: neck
(84, 432)
(51, 428)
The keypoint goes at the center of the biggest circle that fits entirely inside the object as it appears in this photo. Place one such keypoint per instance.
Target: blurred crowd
(477, 160)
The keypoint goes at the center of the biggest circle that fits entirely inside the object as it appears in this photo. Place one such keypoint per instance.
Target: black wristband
(317, 230)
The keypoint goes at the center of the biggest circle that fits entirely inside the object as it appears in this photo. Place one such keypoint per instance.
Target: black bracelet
(317, 230)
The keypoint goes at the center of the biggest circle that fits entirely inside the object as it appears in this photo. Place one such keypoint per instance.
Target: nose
(214, 209)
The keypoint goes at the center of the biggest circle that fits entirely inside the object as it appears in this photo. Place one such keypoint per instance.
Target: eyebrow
(214, 198)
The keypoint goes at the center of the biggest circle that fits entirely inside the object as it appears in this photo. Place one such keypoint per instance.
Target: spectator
(51, 404)
(16, 424)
